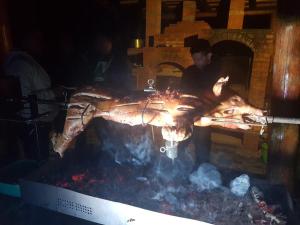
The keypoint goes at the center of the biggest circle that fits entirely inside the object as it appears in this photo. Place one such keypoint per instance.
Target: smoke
(127, 144)
(177, 170)
(207, 177)
(134, 146)
(140, 149)
(170, 194)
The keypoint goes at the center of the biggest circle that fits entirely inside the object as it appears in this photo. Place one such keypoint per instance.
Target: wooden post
(236, 14)
(273, 21)
(153, 18)
(285, 102)
(189, 10)
(5, 41)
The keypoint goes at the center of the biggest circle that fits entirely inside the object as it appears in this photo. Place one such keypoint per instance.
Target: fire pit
(150, 181)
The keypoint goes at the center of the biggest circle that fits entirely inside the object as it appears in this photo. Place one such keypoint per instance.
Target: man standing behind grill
(204, 73)
(201, 76)
(105, 65)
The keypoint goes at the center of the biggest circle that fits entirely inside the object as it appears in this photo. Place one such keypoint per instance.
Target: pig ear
(217, 88)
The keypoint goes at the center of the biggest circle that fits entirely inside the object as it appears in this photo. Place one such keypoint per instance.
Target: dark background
(126, 21)
(78, 17)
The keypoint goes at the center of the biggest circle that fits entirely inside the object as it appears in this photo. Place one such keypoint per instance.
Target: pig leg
(78, 117)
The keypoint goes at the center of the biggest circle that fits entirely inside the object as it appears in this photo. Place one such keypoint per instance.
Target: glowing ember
(78, 177)
(137, 186)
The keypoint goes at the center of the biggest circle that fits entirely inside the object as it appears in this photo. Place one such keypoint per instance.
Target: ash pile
(128, 169)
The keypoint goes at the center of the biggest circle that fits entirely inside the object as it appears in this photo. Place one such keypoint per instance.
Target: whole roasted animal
(175, 112)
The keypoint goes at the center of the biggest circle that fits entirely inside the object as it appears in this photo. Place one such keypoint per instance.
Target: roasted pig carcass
(175, 112)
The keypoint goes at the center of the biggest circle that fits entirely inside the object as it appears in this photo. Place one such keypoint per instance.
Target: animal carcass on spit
(175, 112)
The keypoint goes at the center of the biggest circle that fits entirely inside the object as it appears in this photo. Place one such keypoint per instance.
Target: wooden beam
(5, 39)
(128, 2)
(258, 12)
(189, 10)
(153, 18)
(236, 14)
(285, 102)
(247, 13)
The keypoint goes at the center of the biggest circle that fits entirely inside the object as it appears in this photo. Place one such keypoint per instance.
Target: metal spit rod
(38, 101)
(285, 120)
(261, 121)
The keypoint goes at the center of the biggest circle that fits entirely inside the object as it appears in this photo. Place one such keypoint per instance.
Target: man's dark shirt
(195, 79)
(116, 76)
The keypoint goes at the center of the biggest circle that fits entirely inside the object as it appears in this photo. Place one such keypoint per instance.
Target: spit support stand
(150, 87)
(171, 149)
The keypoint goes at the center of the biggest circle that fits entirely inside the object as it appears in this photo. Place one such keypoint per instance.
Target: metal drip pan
(94, 209)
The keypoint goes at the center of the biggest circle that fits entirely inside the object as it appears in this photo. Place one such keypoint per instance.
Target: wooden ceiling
(209, 8)
(252, 7)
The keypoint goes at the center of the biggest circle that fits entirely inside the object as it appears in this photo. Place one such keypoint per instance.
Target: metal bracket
(171, 149)
(150, 87)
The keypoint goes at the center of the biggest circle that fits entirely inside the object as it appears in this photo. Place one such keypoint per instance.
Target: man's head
(201, 53)
(102, 45)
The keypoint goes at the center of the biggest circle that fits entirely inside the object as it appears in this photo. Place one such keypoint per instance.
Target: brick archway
(233, 35)
(261, 43)
(173, 64)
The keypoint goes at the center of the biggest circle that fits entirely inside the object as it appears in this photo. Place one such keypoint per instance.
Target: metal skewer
(263, 120)
(285, 120)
